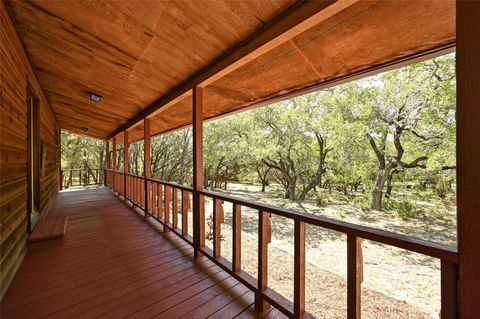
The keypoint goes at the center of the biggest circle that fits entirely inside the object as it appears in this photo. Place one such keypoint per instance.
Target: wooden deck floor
(113, 264)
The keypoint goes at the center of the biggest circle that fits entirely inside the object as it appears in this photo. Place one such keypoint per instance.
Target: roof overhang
(303, 46)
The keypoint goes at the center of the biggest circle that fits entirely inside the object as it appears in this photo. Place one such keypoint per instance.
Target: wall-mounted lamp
(85, 129)
(95, 97)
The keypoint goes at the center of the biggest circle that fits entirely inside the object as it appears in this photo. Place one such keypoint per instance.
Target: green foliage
(399, 125)
(404, 208)
(321, 198)
(362, 202)
(82, 152)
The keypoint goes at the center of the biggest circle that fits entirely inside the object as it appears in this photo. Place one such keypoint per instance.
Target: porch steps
(49, 229)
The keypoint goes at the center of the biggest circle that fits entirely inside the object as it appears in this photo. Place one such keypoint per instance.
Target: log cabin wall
(16, 72)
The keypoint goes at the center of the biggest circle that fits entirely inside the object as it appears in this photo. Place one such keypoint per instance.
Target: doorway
(33, 159)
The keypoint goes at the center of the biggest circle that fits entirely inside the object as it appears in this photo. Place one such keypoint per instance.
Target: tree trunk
(388, 191)
(291, 190)
(380, 180)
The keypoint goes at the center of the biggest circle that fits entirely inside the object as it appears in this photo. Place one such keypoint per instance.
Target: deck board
(113, 264)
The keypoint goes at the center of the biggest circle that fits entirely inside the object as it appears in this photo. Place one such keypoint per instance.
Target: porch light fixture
(85, 129)
(95, 97)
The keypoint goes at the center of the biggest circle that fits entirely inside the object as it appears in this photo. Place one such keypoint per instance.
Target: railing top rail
(182, 187)
(441, 251)
(82, 169)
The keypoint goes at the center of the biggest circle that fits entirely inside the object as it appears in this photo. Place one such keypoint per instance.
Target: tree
(409, 112)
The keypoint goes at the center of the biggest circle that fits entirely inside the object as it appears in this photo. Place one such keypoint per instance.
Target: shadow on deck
(113, 264)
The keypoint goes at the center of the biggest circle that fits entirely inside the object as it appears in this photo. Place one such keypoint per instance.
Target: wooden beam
(299, 17)
(468, 152)
(198, 201)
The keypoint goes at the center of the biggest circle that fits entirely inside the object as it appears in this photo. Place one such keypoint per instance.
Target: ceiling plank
(291, 22)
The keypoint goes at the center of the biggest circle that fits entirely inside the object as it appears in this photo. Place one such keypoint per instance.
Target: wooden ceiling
(133, 53)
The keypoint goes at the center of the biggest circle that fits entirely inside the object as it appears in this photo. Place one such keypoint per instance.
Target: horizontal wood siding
(15, 72)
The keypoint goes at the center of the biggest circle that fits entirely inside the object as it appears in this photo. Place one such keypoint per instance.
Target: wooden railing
(159, 200)
(82, 177)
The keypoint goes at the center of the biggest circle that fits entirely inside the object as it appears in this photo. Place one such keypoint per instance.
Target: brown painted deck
(112, 264)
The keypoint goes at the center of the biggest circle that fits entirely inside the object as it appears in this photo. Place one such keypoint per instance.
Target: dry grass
(397, 283)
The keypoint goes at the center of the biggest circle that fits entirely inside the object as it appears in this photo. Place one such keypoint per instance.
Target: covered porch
(112, 264)
(122, 73)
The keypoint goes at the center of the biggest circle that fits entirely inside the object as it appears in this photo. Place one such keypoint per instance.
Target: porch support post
(146, 161)
(107, 155)
(114, 161)
(198, 200)
(125, 162)
(107, 161)
(468, 153)
(60, 174)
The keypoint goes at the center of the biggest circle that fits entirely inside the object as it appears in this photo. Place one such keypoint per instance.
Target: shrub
(321, 200)
(362, 202)
(404, 208)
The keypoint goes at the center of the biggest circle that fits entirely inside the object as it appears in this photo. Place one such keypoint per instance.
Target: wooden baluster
(354, 277)
(154, 198)
(218, 219)
(134, 184)
(185, 208)
(175, 208)
(145, 196)
(142, 192)
(150, 197)
(264, 237)
(449, 290)
(299, 269)
(160, 201)
(237, 238)
(168, 197)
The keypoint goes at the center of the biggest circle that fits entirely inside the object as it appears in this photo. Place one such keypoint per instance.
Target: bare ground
(397, 283)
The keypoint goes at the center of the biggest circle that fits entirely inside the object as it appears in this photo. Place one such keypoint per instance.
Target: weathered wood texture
(198, 200)
(15, 72)
(468, 151)
(113, 264)
(49, 229)
(112, 48)
(320, 55)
